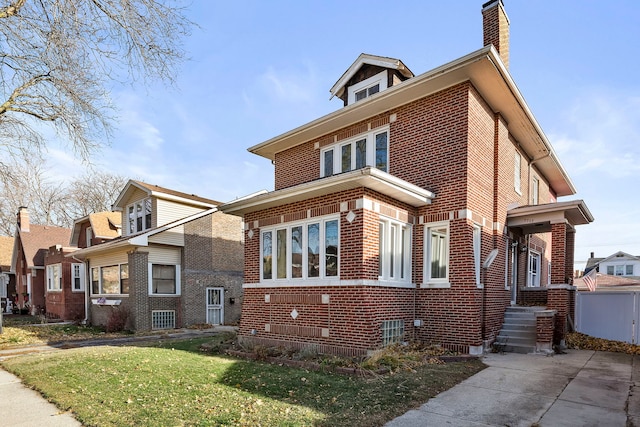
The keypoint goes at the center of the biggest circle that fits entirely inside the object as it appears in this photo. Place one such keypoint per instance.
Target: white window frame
(322, 221)
(138, 210)
(533, 277)
(517, 173)
(380, 79)
(548, 272)
(535, 191)
(394, 249)
(77, 271)
(477, 253)
(177, 279)
(89, 236)
(54, 278)
(370, 155)
(428, 281)
(99, 269)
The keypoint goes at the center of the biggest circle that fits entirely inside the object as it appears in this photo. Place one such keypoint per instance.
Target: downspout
(87, 284)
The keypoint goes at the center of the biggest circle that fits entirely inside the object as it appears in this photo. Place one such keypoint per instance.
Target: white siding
(174, 237)
(111, 258)
(159, 255)
(167, 211)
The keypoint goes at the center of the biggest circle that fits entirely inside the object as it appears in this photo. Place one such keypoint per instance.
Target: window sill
(435, 285)
(164, 295)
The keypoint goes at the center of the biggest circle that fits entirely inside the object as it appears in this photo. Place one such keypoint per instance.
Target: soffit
(539, 218)
(371, 178)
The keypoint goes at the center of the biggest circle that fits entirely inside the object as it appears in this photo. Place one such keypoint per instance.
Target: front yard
(174, 383)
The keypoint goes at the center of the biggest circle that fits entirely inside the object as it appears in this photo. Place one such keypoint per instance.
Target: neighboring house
(7, 279)
(66, 275)
(416, 212)
(177, 263)
(607, 282)
(31, 245)
(618, 264)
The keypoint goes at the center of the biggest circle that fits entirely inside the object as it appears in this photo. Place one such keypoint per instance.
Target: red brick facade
(64, 303)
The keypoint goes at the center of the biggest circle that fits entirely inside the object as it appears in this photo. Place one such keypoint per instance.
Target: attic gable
(136, 190)
(368, 75)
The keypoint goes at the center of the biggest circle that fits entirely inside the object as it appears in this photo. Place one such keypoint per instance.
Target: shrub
(117, 319)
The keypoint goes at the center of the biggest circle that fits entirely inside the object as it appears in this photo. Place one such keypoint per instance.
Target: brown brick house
(177, 263)
(415, 212)
(32, 243)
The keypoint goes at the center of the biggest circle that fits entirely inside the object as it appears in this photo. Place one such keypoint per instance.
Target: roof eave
(368, 177)
(485, 70)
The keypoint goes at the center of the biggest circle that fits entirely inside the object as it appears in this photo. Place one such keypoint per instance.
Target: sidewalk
(580, 388)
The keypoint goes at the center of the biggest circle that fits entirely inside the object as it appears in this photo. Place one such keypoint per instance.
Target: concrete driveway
(579, 388)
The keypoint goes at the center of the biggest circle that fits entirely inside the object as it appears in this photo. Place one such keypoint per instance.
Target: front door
(215, 306)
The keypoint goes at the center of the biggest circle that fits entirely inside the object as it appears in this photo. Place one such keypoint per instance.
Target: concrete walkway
(580, 388)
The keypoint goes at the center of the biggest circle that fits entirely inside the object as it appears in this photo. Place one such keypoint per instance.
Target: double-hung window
(535, 191)
(54, 277)
(394, 251)
(110, 280)
(301, 250)
(77, 277)
(164, 279)
(517, 172)
(437, 254)
(139, 216)
(371, 149)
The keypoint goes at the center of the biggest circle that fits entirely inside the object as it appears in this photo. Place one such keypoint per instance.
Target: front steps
(518, 333)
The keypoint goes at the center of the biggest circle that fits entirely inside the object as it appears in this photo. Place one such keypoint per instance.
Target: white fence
(610, 315)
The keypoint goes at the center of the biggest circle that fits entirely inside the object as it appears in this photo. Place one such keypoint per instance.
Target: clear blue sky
(260, 68)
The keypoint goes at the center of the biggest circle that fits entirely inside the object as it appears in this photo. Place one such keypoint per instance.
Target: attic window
(367, 87)
(367, 92)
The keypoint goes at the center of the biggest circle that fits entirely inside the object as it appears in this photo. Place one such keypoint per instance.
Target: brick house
(65, 275)
(31, 245)
(420, 210)
(177, 263)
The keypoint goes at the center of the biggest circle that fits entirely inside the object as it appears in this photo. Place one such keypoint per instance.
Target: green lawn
(178, 385)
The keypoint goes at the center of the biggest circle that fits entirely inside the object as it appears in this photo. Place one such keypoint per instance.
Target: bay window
(301, 250)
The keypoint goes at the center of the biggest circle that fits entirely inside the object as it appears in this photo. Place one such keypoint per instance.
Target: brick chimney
(23, 218)
(495, 28)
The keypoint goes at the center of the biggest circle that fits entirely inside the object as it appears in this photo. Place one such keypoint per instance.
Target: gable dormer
(368, 75)
(145, 206)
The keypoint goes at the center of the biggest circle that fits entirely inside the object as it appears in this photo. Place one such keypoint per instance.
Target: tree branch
(12, 9)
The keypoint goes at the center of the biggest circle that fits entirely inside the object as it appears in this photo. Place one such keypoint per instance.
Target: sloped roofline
(161, 193)
(141, 239)
(365, 58)
(488, 74)
(615, 255)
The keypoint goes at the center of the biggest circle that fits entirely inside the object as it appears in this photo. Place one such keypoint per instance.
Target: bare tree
(93, 192)
(53, 203)
(57, 58)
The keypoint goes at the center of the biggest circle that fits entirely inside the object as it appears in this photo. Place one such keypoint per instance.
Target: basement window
(392, 332)
(163, 319)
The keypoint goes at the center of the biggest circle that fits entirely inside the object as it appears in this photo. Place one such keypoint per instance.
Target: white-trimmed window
(370, 149)
(535, 191)
(77, 277)
(394, 251)
(89, 236)
(549, 273)
(54, 277)
(366, 88)
(533, 273)
(164, 279)
(517, 170)
(139, 216)
(110, 280)
(436, 255)
(301, 250)
(620, 270)
(477, 252)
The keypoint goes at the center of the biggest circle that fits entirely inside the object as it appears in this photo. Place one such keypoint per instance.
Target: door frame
(214, 306)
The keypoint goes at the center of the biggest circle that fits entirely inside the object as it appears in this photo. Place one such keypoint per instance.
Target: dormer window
(368, 87)
(139, 216)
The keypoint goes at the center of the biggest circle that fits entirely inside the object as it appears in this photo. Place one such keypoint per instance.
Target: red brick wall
(64, 304)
